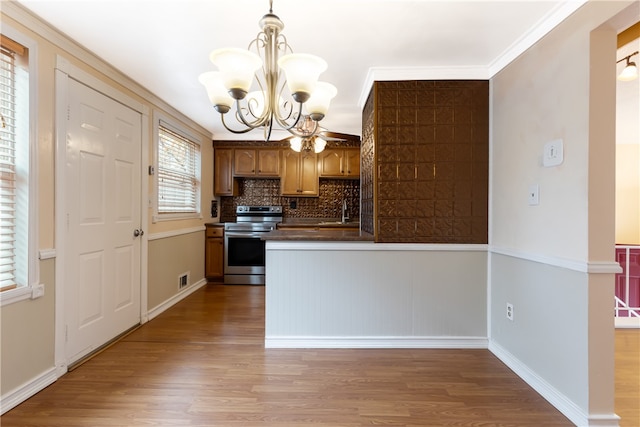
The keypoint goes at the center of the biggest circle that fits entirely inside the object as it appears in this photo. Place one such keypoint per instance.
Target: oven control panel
(259, 209)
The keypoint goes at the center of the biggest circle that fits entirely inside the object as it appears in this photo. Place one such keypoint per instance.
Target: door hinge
(66, 333)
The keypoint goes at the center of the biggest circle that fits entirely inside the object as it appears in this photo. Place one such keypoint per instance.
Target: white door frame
(65, 71)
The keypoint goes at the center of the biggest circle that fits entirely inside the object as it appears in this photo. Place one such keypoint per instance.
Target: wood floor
(203, 363)
(628, 377)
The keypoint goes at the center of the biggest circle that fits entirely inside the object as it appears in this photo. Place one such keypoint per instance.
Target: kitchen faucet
(345, 218)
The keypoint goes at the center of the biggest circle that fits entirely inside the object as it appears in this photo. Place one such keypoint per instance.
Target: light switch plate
(534, 195)
(553, 154)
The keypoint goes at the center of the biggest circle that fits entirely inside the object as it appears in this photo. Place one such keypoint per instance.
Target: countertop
(318, 223)
(319, 234)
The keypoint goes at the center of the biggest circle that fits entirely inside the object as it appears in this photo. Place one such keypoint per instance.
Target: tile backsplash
(254, 192)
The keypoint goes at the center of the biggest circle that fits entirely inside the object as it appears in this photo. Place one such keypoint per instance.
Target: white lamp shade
(296, 143)
(218, 95)
(302, 71)
(319, 144)
(237, 67)
(320, 98)
(629, 73)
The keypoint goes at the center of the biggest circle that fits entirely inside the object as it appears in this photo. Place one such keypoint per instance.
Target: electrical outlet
(510, 311)
(534, 195)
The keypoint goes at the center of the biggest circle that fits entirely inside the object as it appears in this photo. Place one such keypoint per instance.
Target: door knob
(137, 232)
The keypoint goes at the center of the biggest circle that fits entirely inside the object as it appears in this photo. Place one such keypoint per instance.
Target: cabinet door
(214, 264)
(299, 174)
(290, 173)
(269, 163)
(309, 184)
(352, 160)
(244, 163)
(331, 163)
(223, 182)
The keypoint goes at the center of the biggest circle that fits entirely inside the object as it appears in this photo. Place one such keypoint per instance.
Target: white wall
(628, 152)
(554, 261)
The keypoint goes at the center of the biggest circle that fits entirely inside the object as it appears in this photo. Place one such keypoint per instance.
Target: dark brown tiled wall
(425, 146)
(367, 167)
(267, 192)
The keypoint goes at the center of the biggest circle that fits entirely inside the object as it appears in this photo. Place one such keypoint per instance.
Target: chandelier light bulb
(218, 94)
(296, 144)
(237, 68)
(319, 144)
(302, 71)
(318, 103)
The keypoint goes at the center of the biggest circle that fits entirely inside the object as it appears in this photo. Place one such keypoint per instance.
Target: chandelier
(289, 94)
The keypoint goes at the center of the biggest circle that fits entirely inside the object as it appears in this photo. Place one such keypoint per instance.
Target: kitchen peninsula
(339, 289)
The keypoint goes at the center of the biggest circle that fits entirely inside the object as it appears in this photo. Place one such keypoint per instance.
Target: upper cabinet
(223, 182)
(299, 174)
(256, 162)
(339, 163)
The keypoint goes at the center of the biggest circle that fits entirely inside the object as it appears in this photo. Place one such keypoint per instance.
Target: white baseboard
(375, 342)
(155, 311)
(18, 395)
(627, 322)
(563, 404)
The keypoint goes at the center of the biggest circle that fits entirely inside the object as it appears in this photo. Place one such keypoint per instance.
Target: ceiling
(164, 44)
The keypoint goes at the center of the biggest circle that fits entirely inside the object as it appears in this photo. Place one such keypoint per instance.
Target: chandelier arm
(260, 121)
(224, 123)
(267, 131)
(286, 126)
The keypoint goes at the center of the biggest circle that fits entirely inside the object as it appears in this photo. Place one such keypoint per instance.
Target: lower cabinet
(214, 252)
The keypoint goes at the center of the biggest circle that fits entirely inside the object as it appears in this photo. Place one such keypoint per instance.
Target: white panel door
(102, 251)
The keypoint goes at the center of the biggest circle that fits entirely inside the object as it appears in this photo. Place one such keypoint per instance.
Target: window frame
(25, 290)
(162, 120)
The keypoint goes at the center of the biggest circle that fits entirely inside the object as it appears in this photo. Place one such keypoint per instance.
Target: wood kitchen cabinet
(223, 182)
(299, 174)
(248, 162)
(339, 163)
(214, 252)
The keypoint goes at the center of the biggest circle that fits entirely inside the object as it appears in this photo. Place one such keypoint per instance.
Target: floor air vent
(183, 280)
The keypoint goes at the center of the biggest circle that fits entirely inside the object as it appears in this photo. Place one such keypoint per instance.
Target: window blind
(7, 169)
(177, 173)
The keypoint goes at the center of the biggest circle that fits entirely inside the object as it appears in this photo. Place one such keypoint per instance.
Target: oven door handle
(247, 234)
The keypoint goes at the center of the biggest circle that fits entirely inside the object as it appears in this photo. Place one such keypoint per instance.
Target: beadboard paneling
(358, 291)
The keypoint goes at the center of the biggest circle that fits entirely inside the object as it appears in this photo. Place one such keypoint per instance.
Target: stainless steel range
(244, 250)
